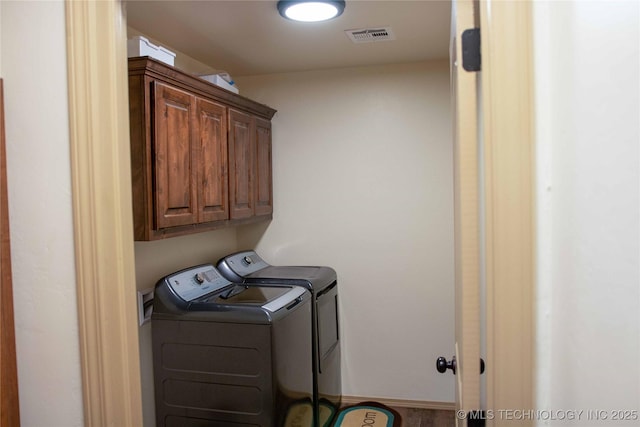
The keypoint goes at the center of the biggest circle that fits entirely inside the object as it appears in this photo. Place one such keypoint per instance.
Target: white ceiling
(247, 37)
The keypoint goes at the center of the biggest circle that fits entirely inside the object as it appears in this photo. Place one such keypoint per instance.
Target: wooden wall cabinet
(250, 192)
(200, 155)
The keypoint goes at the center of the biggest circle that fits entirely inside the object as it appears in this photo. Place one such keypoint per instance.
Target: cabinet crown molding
(144, 65)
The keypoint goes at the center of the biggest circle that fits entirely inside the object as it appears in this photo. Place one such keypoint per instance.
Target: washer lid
(202, 288)
(271, 298)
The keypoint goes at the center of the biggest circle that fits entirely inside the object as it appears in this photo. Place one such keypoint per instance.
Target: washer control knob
(199, 278)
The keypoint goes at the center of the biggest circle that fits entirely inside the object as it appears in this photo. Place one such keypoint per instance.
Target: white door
(464, 84)
(507, 203)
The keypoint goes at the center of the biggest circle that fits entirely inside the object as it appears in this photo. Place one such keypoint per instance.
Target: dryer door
(328, 345)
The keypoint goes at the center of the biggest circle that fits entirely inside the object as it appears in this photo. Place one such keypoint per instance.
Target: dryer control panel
(242, 264)
(192, 283)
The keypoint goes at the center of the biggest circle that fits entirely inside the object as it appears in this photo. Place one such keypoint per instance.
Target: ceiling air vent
(369, 35)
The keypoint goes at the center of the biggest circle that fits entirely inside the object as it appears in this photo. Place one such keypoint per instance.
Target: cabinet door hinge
(471, 60)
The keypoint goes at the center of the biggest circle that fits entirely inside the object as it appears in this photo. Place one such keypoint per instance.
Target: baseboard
(400, 403)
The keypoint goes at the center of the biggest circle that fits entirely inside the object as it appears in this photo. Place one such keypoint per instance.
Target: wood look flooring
(412, 417)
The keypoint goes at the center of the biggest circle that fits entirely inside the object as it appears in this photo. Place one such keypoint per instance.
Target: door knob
(442, 365)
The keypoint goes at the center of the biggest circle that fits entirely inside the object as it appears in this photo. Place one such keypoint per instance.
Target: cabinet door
(241, 160)
(211, 161)
(263, 177)
(175, 196)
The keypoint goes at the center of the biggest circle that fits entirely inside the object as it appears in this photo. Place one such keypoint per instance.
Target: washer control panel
(195, 282)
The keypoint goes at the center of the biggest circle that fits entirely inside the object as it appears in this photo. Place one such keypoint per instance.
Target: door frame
(103, 225)
(508, 153)
(102, 214)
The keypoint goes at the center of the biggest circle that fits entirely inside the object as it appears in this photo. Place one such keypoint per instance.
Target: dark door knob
(442, 365)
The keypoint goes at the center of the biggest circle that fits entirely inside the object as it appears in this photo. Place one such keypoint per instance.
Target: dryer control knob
(199, 278)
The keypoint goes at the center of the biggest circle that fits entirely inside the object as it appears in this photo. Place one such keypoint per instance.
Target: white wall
(35, 81)
(363, 183)
(588, 133)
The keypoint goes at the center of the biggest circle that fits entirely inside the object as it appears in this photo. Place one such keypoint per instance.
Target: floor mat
(301, 414)
(369, 414)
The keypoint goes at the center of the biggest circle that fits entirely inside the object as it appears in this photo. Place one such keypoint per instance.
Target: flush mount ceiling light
(310, 10)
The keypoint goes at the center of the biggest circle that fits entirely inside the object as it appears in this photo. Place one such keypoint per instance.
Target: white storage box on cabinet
(141, 46)
(217, 80)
